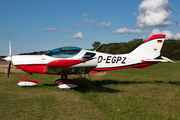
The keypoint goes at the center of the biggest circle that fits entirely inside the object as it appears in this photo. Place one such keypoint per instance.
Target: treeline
(118, 48)
(170, 49)
(34, 53)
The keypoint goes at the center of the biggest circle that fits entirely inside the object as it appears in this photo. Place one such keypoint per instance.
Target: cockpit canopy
(64, 52)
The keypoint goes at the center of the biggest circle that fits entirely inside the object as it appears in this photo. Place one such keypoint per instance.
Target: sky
(39, 25)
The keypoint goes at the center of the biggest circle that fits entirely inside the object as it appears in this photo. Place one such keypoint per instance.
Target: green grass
(150, 93)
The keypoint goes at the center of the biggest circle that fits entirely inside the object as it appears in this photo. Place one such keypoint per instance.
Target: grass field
(150, 93)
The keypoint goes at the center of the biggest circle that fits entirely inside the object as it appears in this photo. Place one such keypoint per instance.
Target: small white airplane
(74, 60)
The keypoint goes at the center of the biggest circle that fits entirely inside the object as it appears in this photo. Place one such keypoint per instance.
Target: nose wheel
(65, 83)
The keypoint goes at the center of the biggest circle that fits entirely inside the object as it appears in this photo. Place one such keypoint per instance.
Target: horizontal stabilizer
(164, 59)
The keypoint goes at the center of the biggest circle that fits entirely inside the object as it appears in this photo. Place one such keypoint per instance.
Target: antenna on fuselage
(99, 46)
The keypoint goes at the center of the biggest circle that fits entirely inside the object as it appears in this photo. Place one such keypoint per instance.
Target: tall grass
(150, 93)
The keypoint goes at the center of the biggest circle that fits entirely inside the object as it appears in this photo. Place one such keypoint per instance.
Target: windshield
(64, 52)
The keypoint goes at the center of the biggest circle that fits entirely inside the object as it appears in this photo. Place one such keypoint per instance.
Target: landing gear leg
(59, 80)
(27, 82)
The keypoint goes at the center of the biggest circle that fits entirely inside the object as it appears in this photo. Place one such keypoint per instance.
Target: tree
(96, 44)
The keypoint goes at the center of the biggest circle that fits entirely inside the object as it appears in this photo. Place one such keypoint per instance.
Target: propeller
(9, 68)
(9, 58)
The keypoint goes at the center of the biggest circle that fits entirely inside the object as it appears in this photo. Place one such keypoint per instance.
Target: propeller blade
(9, 68)
(9, 47)
(9, 58)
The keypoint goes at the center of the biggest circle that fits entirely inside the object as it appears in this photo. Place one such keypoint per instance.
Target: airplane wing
(71, 66)
(66, 62)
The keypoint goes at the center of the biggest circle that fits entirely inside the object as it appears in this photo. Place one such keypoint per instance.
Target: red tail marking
(155, 37)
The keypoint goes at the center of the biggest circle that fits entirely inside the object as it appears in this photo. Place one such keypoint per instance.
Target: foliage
(120, 48)
(96, 45)
(34, 53)
(170, 49)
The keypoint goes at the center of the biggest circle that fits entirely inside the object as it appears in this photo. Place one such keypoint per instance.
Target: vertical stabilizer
(150, 49)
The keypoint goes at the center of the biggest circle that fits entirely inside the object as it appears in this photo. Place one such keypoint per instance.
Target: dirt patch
(100, 74)
(4, 67)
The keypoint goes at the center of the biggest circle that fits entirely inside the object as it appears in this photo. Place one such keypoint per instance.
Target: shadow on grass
(86, 85)
(98, 85)
(175, 83)
(49, 84)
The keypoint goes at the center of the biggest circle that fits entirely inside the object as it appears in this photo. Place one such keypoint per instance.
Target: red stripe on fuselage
(33, 68)
(140, 65)
(41, 68)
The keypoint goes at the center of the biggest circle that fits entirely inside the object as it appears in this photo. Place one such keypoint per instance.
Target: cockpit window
(64, 52)
(88, 55)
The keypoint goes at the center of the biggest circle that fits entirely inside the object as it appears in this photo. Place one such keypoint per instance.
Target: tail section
(150, 49)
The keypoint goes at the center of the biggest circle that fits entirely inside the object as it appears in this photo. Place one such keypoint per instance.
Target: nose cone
(7, 58)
